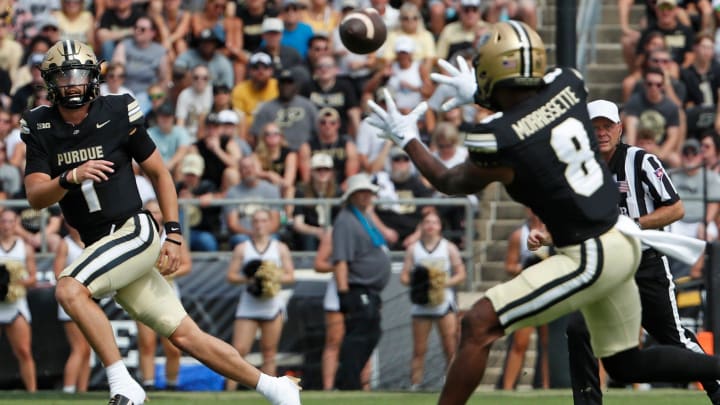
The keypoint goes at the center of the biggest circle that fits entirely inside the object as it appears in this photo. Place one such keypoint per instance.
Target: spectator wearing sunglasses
(674, 88)
(145, 60)
(195, 101)
(329, 90)
(330, 141)
(158, 95)
(653, 110)
(115, 24)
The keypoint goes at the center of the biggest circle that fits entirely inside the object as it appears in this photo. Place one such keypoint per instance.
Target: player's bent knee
(480, 323)
(68, 290)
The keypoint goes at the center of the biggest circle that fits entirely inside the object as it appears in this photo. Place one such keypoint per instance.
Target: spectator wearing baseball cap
(204, 220)
(282, 56)
(362, 270)
(259, 86)
(407, 78)
(232, 125)
(311, 221)
(208, 52)
(172, 141)
(220, 153)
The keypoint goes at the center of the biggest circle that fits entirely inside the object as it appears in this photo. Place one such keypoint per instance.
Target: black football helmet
(71, 64)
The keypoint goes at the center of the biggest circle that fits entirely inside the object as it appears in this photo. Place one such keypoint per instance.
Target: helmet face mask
(510, 54)
(71, 73)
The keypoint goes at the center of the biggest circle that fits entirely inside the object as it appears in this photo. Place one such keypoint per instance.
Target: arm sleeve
(37, 160)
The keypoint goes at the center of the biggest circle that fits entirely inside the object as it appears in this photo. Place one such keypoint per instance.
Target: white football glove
(462, 79)
(399, 128)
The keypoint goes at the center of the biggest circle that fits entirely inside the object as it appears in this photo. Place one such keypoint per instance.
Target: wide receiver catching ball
(363, 31)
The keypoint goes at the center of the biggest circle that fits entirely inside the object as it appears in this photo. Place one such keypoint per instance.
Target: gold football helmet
(70, 64)
(510, 54)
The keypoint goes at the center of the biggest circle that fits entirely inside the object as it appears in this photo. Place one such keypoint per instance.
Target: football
(363, 31)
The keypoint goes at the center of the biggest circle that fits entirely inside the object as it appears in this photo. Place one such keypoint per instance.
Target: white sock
(69, 389)
(149, 383)
(266, 385)
(122, 383)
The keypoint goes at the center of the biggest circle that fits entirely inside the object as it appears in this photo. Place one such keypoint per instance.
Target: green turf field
(551, 397)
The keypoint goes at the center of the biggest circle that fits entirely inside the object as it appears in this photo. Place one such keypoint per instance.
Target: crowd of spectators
(242, 96)
(670, 102)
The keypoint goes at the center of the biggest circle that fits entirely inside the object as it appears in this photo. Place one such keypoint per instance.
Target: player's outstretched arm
(465, 178)
(402, 129)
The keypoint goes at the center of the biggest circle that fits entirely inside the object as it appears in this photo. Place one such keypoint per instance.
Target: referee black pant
(659, 318)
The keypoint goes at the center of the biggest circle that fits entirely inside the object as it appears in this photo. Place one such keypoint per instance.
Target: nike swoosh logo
(99, 125)
(174, 229)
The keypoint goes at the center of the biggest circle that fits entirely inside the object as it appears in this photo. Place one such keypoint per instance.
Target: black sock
(661, 364)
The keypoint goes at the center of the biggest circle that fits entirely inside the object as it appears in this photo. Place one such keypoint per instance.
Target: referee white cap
(605, 109)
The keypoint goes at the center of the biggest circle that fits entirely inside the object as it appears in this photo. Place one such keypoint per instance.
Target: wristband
(173, 241)
(64, 183)
(172, 227)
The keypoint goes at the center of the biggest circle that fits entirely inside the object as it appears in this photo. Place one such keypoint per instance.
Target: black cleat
(120, 399)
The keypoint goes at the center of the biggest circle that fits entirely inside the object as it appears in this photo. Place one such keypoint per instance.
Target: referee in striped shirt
(648, 196)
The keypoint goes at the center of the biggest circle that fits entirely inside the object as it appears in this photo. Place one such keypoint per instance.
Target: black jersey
(549, 142)
(113, 130)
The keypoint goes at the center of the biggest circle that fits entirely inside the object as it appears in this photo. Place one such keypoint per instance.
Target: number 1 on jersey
(572, 146)
(91, 197)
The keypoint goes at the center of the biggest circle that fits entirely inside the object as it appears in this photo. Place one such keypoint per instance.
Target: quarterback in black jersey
(540, 145)
(79, 153)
